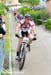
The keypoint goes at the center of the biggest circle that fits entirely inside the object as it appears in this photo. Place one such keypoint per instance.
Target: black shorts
(24, 33)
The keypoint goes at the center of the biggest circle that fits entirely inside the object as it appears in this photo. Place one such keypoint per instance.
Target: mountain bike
(23, 50)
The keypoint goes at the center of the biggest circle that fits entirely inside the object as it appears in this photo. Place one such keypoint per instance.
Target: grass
(5, 73)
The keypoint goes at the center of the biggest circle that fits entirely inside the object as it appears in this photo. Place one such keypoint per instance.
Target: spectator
(2, 29)
(18, 17)
(0, 18)
(2, 33)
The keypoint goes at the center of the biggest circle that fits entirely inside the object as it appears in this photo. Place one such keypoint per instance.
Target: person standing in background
(0, 18)
(18, 17)
(2, 33)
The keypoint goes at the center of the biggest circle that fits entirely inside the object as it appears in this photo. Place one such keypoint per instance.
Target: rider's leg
(30, 38)
(19, 42)
(18, 45)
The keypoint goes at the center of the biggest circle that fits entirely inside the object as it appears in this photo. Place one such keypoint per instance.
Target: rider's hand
(34, 37)
(16, 35)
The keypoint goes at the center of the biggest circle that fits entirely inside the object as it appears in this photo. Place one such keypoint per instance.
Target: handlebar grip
(17, 35)
(34, 39)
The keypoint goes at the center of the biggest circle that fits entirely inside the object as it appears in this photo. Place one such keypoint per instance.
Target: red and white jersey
(25, 26)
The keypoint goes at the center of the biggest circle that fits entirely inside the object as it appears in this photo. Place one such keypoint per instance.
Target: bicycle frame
(25, 42)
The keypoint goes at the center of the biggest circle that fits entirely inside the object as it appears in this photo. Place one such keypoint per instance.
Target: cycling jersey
(26, 27)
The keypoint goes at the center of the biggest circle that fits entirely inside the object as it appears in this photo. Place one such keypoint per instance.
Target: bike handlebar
(34, 39)
(20, 37)
(17, 35)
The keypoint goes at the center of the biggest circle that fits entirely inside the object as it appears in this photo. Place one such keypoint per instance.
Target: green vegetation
(34, 2)
(23, 10)
(6, 41)
(35, 14)
(47, 24)
(3, 8)
(44, 14)
(39, 15)
(26, 4)
(5, 73)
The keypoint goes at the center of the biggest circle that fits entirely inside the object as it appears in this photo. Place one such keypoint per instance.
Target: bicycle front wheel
(22, 59)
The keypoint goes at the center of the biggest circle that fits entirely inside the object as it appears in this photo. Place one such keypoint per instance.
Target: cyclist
(26, 26)
(18, 17)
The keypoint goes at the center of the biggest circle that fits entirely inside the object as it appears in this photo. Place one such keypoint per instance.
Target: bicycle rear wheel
(22, 57)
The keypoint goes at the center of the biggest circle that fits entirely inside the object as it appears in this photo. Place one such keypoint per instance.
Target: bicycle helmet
(28, 16)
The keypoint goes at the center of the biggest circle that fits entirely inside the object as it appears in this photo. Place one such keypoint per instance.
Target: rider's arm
(33, 27)
(18, 27)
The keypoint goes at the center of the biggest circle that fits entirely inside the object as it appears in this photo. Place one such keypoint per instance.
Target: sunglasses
(28, 18)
